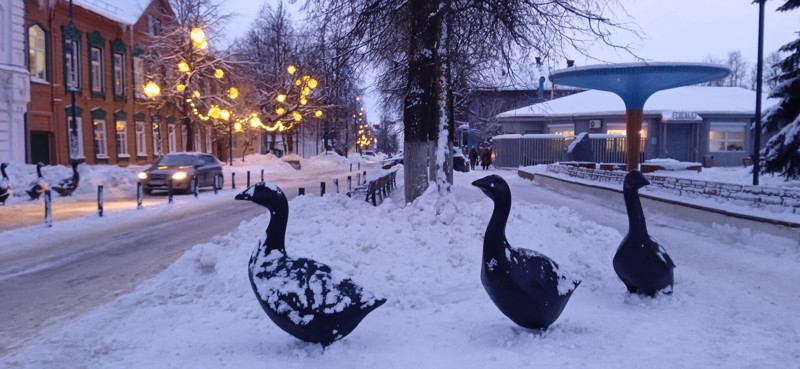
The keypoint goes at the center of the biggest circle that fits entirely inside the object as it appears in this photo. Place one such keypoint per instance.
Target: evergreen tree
(782, 152)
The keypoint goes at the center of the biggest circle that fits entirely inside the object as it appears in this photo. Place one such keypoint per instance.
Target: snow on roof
(696, 99)
(126, 12)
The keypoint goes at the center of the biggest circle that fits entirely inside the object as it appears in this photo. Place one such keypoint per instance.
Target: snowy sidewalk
(730, 307)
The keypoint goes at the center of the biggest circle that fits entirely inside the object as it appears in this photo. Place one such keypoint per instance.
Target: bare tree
(770, 73)
(417, 32)
(181, 60)
(739, 70)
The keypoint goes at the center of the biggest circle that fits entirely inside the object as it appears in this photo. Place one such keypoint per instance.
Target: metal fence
(512, 151)
(515, 150)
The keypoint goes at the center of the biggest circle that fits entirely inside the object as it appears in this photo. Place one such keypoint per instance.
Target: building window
(122, 139)
(566, 130)
(726, 137)
(141, 143)
(78, 125)
(138, 77)
(119, 74)
(37, 53)
(100, 144)
(171, 138)
(156, 138)
(197, 141)
(153, 26)
(72, 61)
(97, 69)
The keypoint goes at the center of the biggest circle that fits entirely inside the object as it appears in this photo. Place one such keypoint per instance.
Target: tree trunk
(420, 113)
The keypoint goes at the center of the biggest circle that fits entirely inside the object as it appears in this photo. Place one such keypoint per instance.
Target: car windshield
(173, 160)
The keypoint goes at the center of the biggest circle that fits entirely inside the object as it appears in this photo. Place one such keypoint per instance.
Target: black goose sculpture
(303, 297)
(640, 262)
(526, 286)
(68, 185)
(39, 185)
(5, 184)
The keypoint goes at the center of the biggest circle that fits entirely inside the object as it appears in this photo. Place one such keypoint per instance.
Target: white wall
(14, 81)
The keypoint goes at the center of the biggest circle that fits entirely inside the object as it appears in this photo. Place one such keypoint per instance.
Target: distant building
(14, 81)
(686, 123)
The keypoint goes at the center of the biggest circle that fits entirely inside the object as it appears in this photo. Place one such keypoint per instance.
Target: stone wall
(771, 198)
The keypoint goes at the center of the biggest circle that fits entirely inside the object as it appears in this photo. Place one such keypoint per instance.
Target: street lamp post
(152, 90)
(230, 142)
(759, 75)
(73, 87)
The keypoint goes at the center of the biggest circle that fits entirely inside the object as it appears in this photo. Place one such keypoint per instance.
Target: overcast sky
(674, 30)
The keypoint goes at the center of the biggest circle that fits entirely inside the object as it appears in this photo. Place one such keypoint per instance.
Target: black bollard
(248, 179)
(359, 165)
(100, 200)
(349, 183)
(169, 190)
(302, 191)
(322, 188)
(336, 185)
(351, 167)
(233, 180)
(139, 195)
(48, 209)
(216, 184)
(365, 177)
(262, 175)
(195, 186)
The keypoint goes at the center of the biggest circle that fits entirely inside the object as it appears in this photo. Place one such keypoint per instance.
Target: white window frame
(98, 75)
(101, 138)
(156, 138)
(725, 129)
(73, 58)
(138, 77)
(119, 74)
(79, 125)
(171, 139)
(37, 52)
(153, 26)
(121, 138)
(141, 139)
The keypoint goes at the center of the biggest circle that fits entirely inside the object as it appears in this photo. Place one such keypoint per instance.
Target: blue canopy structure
(635, 83)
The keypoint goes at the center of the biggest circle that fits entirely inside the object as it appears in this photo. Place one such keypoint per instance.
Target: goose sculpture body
(68, 185)
(640, 262)
(305, 298)
(527, 286)
(39, 185)
(5, 184)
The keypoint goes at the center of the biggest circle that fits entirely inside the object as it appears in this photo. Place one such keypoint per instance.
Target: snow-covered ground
(734, 304)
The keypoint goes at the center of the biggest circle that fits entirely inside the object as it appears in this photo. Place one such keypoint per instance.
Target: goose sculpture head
(304, 297)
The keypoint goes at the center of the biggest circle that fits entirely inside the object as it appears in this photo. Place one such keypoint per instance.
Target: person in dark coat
(486, 158)
(473, 158)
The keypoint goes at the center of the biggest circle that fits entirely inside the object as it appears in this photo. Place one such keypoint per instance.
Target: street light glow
(281, 98)
(219, 73)
(183, 66)
(198, 37)
(291, 69)
(151, 89)
(233, 93)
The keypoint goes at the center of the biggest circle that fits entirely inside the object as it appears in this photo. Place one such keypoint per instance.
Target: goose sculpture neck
(276, 229)
(3, 171)
(636, 222)
(496, 230)
(39, 170)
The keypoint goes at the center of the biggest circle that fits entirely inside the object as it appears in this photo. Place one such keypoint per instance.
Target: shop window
(726, 137)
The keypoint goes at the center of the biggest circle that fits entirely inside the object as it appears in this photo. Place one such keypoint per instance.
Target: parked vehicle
(181, 168)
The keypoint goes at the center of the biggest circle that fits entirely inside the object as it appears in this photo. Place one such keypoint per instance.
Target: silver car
(181, 168)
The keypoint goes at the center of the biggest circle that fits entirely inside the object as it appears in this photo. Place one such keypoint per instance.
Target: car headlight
(142, 175)
(179, 176)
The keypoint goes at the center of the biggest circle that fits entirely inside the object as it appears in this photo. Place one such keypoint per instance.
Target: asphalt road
(56, 280)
